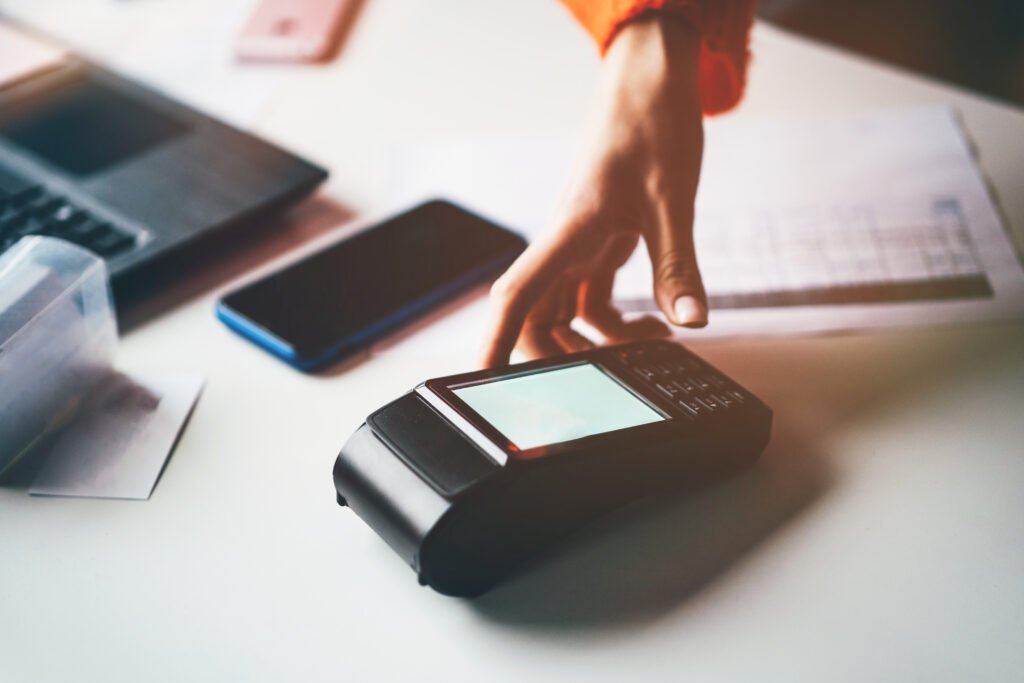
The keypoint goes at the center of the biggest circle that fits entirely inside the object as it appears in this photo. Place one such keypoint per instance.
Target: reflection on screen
(554, 406)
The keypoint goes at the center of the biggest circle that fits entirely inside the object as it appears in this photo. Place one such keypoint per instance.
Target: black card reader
(468, 476)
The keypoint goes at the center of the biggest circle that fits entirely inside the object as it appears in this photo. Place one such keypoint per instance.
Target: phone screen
(371, 283)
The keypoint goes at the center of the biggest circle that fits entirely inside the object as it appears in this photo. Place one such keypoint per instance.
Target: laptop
(132, 175)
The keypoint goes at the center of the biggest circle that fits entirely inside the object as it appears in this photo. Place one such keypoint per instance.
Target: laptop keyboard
(28, 209)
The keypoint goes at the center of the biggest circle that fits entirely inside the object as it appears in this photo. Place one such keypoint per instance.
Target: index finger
(518, 289)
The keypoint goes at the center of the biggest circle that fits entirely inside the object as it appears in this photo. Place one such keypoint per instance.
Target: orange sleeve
(724, 26)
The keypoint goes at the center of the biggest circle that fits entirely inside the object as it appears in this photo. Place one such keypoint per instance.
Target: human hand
(638, 179)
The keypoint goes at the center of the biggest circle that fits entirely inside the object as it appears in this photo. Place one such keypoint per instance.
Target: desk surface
(880, 538)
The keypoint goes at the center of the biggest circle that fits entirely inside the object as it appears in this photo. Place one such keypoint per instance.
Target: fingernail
(690, 312)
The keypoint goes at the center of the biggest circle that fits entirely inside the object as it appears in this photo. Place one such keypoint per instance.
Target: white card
(118, 446)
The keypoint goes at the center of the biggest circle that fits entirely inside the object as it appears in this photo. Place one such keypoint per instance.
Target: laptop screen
(82, 126)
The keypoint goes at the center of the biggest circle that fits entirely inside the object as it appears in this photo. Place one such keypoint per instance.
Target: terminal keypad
(698, 390)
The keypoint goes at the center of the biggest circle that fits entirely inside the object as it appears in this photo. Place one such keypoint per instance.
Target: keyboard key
(645, 373)
(55, 208)
(693, 406)
(725, 399)
(667, 389)
(47, 207)
(110, 243)
(81, 233)
(662, 369)
(686, 385)
(63, 221)
(712, 403)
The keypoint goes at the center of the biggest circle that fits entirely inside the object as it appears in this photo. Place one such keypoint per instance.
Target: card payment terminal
(468, 476)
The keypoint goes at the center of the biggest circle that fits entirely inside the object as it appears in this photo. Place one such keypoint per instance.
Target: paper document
(22, 55)
(859, 252)
(820, 224)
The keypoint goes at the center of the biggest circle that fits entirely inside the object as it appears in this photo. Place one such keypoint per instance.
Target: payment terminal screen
(553, 406)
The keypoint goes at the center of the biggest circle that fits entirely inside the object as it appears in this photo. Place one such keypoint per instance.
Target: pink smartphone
(293, 30)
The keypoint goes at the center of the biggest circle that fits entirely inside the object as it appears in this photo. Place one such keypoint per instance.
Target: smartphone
(345, 297)
(293, 30)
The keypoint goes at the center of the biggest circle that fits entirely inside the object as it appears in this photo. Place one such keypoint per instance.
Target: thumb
(678, 289)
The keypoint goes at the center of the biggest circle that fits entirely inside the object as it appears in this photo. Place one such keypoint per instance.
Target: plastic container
(57, 338)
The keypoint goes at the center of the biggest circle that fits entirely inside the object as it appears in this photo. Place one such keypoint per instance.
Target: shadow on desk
(649, 559)
(648, 562)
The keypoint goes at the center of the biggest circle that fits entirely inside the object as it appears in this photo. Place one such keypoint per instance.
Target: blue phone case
(363, 338)
(366, 336)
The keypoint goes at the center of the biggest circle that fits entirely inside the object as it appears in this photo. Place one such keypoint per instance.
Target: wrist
(657, 45)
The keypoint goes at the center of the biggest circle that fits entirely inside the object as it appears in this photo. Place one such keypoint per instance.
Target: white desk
(880, 538)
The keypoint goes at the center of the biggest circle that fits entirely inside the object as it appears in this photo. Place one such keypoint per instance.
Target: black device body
(142, 180)
(464, 506)
(344, 297)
